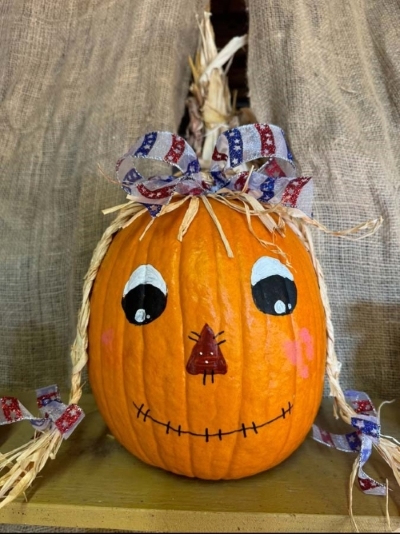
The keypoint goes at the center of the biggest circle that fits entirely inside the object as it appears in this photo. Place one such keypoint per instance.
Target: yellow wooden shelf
(95, 483)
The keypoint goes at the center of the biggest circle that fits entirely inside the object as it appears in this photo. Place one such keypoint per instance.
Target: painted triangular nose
(206, 357)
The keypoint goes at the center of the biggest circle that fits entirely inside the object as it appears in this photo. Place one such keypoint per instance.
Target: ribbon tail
(54, 412)
(367, 484)
(12, 411)
(350, 442)
(361, 440)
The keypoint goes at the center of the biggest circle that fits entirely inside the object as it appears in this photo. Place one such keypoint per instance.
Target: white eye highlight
(279, 307)
(140, 315)
(265, 267)
(145, 274)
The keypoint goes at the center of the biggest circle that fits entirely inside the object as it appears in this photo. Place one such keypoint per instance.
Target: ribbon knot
(274, 182)
(53, 412)
(361, 440)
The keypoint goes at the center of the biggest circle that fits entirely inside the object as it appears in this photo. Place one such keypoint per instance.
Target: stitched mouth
(245, 430)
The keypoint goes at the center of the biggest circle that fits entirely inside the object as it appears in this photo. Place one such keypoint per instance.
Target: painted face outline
(273, 290)
(263, 267)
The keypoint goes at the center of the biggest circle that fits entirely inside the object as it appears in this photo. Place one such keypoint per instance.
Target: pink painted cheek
(300, 351)
(107, 337)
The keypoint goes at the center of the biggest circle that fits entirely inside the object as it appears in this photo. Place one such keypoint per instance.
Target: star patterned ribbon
(360, 441)
(274, 182)
(53, 411)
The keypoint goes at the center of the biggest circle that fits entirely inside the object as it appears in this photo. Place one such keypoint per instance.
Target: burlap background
(328, 73)
(80, 80)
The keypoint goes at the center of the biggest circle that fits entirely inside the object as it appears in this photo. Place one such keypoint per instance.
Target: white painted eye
(145, 295)
(145, 274)
(272, 286)
(267, 266)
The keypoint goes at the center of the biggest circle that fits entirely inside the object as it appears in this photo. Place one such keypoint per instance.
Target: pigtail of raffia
(387, 447)
(25, 463)
(79, 354)
(341, 407)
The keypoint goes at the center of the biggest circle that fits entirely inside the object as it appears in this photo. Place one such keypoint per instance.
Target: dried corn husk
(210, 106)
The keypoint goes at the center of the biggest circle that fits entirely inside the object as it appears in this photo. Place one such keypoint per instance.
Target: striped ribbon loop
(359, 441)
(52, 410)
(274, 182)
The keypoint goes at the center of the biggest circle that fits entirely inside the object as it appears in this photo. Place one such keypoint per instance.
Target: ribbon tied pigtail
(53, 412)
(361, 440)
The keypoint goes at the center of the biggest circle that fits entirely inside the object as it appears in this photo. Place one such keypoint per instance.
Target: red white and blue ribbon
(53, 412)
(275, 182)
(360, 441)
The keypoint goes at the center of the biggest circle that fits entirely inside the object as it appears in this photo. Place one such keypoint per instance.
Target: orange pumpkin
(201, 364)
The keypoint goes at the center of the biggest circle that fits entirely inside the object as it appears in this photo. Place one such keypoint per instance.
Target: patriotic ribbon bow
(53, 411)
(361, 440)
(274, 182)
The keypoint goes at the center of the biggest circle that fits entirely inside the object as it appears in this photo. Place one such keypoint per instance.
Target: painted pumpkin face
(201, 364)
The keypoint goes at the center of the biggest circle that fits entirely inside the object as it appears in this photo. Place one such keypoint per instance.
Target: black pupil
(143, 304)
(275, 295)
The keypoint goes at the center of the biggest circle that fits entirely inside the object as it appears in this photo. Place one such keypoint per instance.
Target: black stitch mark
(220, 342)
(218, 434)
(193, 339)
(146, 414)
(219, 333)
(204, 378)
(212, 376)
(139, 410)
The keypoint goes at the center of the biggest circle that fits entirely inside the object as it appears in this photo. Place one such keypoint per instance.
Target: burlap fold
(328, 74)
(79, 82)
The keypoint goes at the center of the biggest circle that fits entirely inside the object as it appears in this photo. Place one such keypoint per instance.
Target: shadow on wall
(375, 365)
(40, 357)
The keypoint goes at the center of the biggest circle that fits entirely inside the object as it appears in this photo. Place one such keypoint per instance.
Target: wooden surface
(95, 483)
